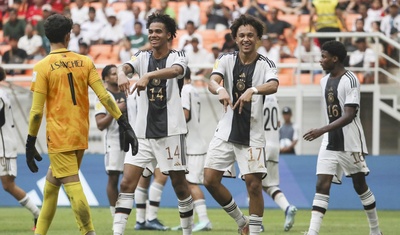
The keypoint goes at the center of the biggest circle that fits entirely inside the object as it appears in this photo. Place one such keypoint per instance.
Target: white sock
(123, 208)
(279, 198)
(320, 205)
(368, 201)
(112, 210)
(28, 204)
(255, 224)
(140, 200)
(186, 214)
(201, 210)
(233, 210)
(155, 192)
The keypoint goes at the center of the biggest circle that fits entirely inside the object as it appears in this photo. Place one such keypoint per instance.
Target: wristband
(254, 90)
(219, 88)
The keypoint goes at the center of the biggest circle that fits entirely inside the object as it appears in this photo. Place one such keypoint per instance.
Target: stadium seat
(100, 52)
(350, 20)
(285, 79)
(317, 78)
(306, 78)
(4, 48)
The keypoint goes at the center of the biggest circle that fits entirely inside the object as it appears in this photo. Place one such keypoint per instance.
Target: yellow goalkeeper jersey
(64, 77)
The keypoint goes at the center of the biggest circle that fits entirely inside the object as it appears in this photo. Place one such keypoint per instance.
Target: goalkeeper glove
(128, 135)
(32, 154)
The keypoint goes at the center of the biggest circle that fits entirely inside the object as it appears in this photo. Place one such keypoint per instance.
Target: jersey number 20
(271, 118)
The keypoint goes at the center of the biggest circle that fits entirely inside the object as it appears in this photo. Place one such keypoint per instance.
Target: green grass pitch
(18, 221)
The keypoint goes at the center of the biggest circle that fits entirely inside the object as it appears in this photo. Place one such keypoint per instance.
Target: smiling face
(246, 39)
(158, 35)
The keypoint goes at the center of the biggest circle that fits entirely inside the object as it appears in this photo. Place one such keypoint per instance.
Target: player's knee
(360, 188)
(126, 186)
(254, 187)
(8, 187)
(323, 188)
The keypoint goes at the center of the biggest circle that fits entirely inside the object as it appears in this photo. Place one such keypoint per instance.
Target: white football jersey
(338, 93)
(195, 144)
(8, 136)
(159, 107)
(131, 106)
(245, 128)
(111, 135)
(271, 120)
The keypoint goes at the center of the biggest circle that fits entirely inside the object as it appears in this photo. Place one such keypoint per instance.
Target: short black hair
(92, 9)
(169, 23)
(56, 27)
(2, 74)
(335, 48)
(106, 71)
(138, 23)
(247, 20)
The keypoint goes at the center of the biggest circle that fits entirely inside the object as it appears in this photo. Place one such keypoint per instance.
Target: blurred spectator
(376, 11)
(390, 21)
(275, 27)
(364, 58)
(362, 10)
(59, 5)
(31, 43)
(47, 11)
(289, 7)
(139, 41)
(84, 49)
(14, 27)
(34, 13)
(347, 5)
(128, 27)
(103, 12)
(199, 55)
(258, 10)
(185, 40)
(218, 16)
(216, 52)
(268, 50)
(79, 14)
(283, 46)
(308, 52)
(75, 38)
(288, 133)
(148, 10)
(91, 28)
(125, 15)
(329, 18)
(239, 9)
(229, 44)
(188, 12)
(166, 9)
(15, 56)
(112, 33)
(125, 51)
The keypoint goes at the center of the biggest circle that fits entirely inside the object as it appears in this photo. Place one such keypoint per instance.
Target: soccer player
(196, 152)
(113, 145)
(146, 191)
(160, 121)
(61, 80)
(271, 182)
(343, 145)
(247, 77)
(8, 153)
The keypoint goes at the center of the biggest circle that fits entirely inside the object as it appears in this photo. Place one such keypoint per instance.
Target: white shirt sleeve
(185, 97)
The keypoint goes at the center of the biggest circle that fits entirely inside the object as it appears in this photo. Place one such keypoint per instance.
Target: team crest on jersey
(331, 96)
(155, 81)
(240, 85)
(34, 74)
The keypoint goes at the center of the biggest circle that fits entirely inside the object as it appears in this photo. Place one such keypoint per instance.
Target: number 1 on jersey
(71, 87)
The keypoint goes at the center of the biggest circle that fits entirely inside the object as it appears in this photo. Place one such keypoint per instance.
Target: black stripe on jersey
(270, 62)
(157, 115)
(227, 53)
(242, 80)
(183, 149)
(334, 111)
(2, 122)
(217, 73)
(137, 53)
(352, 78)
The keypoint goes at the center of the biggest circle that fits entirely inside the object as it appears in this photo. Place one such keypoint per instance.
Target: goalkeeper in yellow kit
(61, 81)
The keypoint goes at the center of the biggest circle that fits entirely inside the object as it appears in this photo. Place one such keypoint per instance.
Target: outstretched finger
(133, 89)
(225, 105)
(240, 106)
